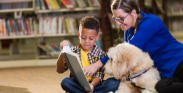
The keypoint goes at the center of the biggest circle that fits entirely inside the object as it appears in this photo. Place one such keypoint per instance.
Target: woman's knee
(163, 86)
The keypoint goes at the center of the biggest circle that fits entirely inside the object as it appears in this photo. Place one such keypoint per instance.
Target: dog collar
(135, 75)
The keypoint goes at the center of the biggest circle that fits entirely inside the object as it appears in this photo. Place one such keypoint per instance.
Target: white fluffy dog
(125, 61)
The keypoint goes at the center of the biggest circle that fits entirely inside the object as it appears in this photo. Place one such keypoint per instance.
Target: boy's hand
(87, 90)
(64, 43)
(92, 68)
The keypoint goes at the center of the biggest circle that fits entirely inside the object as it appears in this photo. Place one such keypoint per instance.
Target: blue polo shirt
(153, 37)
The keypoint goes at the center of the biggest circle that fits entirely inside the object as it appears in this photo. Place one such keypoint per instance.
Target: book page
(66, 49)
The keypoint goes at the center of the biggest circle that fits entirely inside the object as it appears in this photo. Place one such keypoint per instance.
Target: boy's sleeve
(100, 72)
(65, 67)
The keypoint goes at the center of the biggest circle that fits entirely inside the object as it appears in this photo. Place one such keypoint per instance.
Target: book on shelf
(42, 4)
(67, 4)
(38, 5)
(81, 3)
(48, 4)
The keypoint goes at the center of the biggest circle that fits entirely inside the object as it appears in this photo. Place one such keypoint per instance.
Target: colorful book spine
(67, 4)
(37, 4)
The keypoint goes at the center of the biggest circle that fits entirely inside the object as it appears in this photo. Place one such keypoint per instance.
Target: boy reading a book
(89, 53)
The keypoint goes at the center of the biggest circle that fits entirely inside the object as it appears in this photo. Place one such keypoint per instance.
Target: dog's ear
(108, 67)
(120, 69)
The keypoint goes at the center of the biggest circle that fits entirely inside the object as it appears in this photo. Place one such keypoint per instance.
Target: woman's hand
(64, 43)
(87, 90)
(91, 69)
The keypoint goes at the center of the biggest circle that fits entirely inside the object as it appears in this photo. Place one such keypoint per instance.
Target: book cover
(52, 4)
(48, 4)
(60, 24)
(56, 4)
(42, 5)
(13, 28)
(74, 64)
(41, 25)
(67, 4)
(37, 5)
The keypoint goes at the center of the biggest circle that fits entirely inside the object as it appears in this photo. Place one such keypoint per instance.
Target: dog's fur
(126, 58)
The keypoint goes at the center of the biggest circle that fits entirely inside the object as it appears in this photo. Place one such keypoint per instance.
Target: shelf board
(13, 10)
(68, 10)
(17, 37)
(14, 1)
(44, 35)
(55, 35)
(177, 33)
(175, 14)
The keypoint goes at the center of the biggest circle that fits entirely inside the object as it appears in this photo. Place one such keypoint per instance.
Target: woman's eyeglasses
(121, 20)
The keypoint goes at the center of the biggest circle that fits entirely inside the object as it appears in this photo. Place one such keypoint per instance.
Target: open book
(74, 64)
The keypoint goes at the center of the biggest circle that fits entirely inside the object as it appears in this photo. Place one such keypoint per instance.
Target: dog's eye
(111, 59)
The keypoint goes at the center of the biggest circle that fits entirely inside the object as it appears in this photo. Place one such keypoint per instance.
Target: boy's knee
(65, 82)
(114, 83)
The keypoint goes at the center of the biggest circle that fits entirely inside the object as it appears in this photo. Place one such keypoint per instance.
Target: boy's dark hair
(90, 22)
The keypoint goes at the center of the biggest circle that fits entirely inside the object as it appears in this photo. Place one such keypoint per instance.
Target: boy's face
(87, 38)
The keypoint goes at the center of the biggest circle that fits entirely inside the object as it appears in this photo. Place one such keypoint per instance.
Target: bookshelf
(29, 54)
(174, 19)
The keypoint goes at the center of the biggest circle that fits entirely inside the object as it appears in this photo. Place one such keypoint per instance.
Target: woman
(149, 33)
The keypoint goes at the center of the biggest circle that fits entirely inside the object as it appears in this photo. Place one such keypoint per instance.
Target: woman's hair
(90, 22)
(126, 5)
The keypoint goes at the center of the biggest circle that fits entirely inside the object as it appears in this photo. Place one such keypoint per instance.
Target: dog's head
(124, 58)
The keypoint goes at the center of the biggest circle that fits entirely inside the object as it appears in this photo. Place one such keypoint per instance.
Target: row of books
(175, 6)
(57, 25)
(16, 27)
(15, 5)
(176, 25)
(58, 4)
(49, 49)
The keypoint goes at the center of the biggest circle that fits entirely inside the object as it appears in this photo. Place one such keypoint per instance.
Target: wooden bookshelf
(174, 18)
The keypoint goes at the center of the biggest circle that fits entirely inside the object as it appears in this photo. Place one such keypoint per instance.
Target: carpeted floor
(31, 80)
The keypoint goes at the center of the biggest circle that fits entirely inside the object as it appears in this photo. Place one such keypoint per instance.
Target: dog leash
(136, 75)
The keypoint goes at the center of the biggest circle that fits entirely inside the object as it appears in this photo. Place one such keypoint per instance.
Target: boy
(88, 53)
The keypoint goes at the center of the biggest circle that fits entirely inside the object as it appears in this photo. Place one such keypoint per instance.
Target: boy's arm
(95, 81)
(60, 63)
